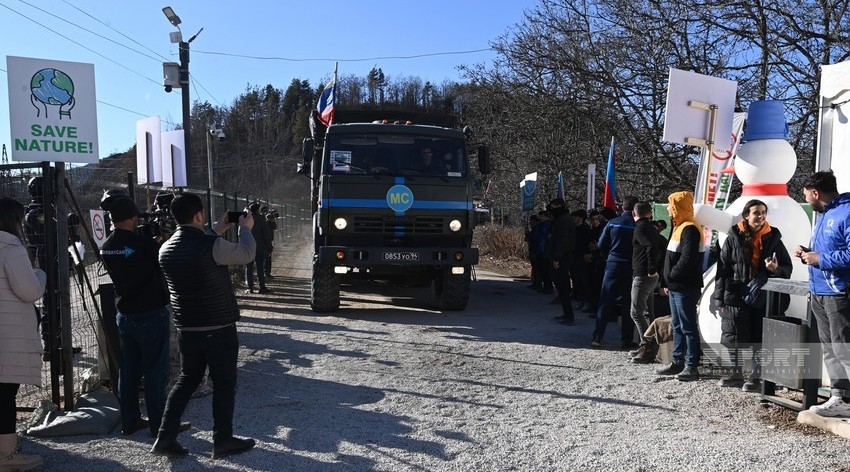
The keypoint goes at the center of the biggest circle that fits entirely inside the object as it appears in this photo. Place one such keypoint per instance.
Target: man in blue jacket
(615, 296)
(829, 272)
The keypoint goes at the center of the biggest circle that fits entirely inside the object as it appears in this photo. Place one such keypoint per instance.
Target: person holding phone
(195, 263)
(751, 247)
(828, 262)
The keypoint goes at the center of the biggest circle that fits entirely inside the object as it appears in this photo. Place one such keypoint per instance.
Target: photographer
(143, 318)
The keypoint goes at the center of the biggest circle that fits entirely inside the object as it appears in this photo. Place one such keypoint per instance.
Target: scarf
(755, 242)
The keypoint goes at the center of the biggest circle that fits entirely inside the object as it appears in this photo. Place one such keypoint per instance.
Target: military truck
(384, 209)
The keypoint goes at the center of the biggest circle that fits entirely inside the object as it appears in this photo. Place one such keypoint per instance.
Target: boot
(10, 460)
(646, 354)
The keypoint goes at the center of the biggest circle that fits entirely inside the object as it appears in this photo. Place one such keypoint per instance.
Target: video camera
(158, 221)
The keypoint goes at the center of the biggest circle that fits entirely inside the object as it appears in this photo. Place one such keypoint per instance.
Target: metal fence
(59, 235)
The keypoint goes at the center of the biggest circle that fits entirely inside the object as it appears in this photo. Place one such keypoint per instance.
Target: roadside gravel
(389, 384)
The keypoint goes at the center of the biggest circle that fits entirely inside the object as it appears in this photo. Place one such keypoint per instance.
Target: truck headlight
(340, 223)
(455, 225)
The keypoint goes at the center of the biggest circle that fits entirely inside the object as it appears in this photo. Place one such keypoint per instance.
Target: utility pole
(183, 81)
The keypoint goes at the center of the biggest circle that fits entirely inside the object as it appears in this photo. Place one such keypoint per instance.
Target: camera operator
(143, 318)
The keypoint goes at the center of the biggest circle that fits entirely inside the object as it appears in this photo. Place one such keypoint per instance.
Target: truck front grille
(398, 224)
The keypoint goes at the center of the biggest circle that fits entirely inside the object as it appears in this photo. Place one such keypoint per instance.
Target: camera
(158, 222)
(233, 216)
(218, 133)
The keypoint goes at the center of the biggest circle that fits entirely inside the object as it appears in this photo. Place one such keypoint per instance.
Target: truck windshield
(395, 155)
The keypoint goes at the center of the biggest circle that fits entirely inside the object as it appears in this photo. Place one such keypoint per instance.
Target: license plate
(401, 256)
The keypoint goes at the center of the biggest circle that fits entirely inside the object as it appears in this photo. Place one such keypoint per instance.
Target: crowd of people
(177, 276)
(612, 266)
(621, 267)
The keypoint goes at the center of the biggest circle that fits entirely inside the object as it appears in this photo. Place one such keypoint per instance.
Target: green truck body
(384, 210)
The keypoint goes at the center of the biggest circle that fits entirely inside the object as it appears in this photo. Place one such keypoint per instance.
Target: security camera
(217, 132)
(168, 88)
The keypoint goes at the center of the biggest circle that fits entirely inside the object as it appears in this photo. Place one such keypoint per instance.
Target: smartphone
(233, 216)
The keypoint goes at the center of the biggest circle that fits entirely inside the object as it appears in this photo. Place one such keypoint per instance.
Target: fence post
(64, 286)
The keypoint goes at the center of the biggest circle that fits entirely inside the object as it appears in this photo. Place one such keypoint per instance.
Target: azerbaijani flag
(610, 199)
(560, 192)
(327, 102)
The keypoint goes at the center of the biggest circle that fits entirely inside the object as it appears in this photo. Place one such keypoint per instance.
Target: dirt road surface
(388, 383)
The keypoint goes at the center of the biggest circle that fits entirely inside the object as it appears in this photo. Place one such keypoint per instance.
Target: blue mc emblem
(399, 198)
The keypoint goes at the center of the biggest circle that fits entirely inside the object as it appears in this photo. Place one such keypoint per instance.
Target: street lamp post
(177, 37)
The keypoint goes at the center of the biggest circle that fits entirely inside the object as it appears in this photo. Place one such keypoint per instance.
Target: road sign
(98, 226)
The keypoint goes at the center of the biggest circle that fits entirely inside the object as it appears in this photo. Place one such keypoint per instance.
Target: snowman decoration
(764, 164)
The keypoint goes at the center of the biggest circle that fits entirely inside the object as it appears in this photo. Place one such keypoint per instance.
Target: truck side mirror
(484, 160)
(307, 149)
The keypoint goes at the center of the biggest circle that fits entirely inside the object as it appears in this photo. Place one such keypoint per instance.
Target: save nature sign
(52, 110)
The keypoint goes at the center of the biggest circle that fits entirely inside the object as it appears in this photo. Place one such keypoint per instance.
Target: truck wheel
(324, 289)
(452, 290)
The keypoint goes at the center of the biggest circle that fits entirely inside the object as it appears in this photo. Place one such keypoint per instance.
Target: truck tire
(324, 289)
(452, 290)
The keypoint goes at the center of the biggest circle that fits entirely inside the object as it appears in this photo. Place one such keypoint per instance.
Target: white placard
(683, 121)
(173, 159)
(148, 151)
(52, 110)
(98, 226)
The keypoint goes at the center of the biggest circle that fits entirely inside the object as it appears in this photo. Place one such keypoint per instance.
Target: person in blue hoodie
(615, 295)
(828, 262)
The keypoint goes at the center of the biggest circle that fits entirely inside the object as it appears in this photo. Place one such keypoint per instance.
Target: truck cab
(392, 201)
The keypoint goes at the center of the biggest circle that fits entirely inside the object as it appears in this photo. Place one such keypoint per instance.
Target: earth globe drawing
(52, 87)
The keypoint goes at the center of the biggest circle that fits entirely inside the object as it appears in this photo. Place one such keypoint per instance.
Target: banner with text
(52, 110)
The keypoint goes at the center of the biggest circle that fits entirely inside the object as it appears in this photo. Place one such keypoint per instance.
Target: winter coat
(831, 240)
(683, 260)
(20, 287)
(563, 238)
(734, 265)
(616, 238)
(647, 250)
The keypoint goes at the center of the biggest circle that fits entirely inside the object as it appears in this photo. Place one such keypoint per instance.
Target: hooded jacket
(685, 250)
(831, 240)
(20, 287)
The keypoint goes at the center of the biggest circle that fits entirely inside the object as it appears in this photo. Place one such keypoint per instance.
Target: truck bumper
(394, 256)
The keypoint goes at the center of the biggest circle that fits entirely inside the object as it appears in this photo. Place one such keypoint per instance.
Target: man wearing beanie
(143, 318)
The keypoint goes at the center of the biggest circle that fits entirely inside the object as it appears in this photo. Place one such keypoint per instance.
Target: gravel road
(389, 384)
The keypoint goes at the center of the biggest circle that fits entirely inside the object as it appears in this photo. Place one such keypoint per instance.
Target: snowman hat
(766, 120)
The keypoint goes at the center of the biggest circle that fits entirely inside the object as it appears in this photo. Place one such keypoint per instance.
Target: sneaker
(646, 354)
(596, 342)
(140, 424)
(835, 406)
(264, 290)
(733, 379)
(752, 386)
(249, 291)
(670, 369)
(688, 374)
(637, 351)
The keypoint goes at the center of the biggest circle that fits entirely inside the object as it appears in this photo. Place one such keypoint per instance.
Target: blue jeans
(144, 352)
(683, 313)
(615, 297)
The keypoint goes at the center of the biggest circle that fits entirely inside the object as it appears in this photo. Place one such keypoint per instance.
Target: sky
(127, 41)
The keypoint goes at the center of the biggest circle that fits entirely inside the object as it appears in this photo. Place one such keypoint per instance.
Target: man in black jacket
(143, 318)
(645, 275)
(195, 263)
(563, 246)
(263, 237)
